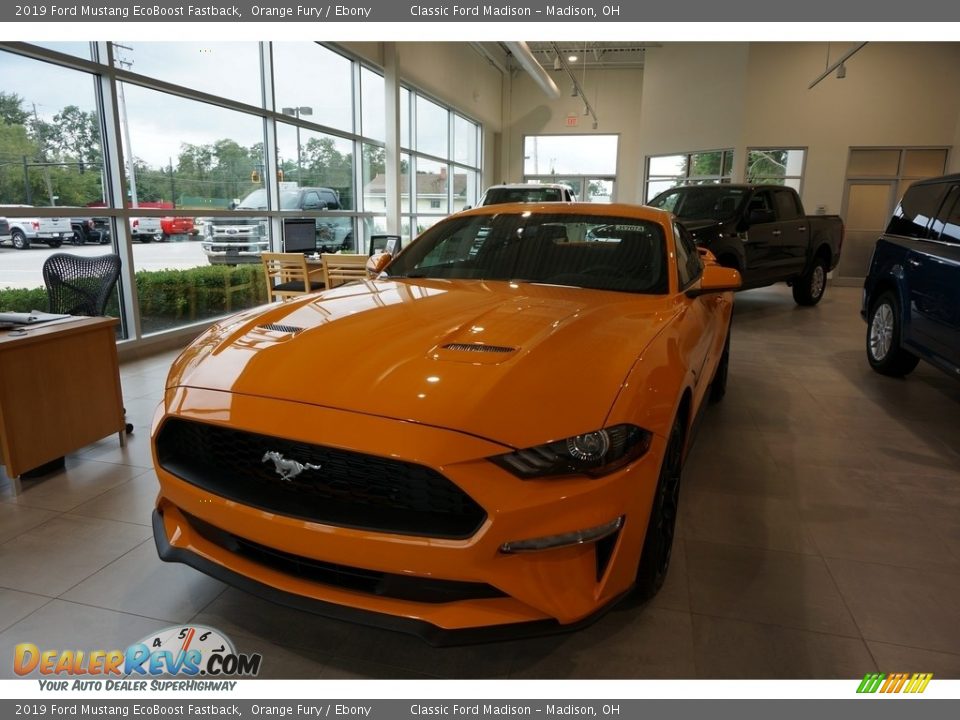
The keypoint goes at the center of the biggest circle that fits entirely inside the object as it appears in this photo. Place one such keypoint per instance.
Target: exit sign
(572, 120)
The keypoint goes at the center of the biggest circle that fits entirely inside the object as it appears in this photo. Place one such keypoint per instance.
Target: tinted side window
(946, 227)
(689, 264)
(919, 205)
(786, 205)
(329, 200)
(311, 201)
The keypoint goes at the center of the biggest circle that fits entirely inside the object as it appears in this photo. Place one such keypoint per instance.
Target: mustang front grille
(317, 483)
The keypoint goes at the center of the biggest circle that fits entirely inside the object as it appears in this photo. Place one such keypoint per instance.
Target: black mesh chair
(79, 285)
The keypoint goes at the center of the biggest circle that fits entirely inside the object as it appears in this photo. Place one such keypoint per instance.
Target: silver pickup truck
(22, 231)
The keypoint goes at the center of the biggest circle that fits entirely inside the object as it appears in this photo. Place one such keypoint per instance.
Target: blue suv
(911, 297)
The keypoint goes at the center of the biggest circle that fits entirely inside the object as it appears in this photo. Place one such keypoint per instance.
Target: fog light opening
(552, 542)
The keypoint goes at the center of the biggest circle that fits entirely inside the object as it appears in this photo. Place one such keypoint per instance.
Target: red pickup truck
(172, 226)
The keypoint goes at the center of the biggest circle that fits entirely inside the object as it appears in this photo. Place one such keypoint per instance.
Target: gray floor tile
(83, 479)
(141, 584)
(281, 662)
(137, 454)
(351, 668)
(53, 557)
(897, 658)
(765, 586)
(131, 502)
(626, 643)
(736, 649)
(14, 606)
(61, 624)
(916, 608)
(16, 519)
(675, 593)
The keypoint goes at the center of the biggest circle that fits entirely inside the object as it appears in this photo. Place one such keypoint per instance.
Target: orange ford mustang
(490, 433)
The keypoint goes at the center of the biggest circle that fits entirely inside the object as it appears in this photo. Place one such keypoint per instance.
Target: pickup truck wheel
(144, 238)
(658, 542)
(54, 243)
(884, 352)
(77, 238)
(20, 241)
(809, 287)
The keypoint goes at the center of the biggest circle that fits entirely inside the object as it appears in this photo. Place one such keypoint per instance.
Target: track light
(557, 65)
(573, 91)
(586, 110)
(594, 124)
(841, 71)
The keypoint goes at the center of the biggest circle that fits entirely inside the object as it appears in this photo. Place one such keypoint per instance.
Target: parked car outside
(176, 228)
(762, 231)
(236, 240)
(528, 193)
(504, 446)
(911, 295)
(90, 230)
(146, 229)
(22, 231)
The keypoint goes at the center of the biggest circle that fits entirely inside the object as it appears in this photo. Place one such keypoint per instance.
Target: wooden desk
(59, 391)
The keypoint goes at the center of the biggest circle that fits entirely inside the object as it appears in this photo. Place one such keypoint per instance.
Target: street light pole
(297, 112)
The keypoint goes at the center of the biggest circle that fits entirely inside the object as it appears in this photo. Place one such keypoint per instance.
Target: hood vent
(478, 347)
(277, 327)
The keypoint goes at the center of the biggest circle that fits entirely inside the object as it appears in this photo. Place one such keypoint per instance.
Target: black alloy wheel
(658, 543)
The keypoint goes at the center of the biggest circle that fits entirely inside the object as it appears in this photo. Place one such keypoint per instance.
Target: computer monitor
(299, 235)
(385, 243)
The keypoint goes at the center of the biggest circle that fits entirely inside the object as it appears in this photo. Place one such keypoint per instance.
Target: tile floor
(819, 538)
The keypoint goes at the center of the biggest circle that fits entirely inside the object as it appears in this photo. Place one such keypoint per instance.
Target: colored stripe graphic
(894, 683)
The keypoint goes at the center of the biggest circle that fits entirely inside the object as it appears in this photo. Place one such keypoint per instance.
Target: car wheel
(658, 543)
(77, 238)
(54, 243)
(718, 386)
(884, 352)
(809, 287)
(144, 238)
(20, 241)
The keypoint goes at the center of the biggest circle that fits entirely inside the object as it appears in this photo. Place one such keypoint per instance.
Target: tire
(884, 352)
(718, 386)
(809, 287)
(144, 238)
(54, 243)
(78, 238)
(20, 241)
(658, 542)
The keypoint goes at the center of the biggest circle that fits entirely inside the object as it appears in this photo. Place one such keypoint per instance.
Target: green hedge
(169, 298)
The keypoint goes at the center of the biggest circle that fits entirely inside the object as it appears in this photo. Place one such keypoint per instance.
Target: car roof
(626, 210)
(954, 177)
(524, 186)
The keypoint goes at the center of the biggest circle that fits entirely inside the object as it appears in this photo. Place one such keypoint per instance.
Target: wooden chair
(287, 275)
(339, 268)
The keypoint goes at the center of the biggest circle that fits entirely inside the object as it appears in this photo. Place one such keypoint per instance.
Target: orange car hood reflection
(522, 366)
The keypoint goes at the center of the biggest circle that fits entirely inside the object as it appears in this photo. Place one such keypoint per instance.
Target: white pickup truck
(22, 231)
(146, 229)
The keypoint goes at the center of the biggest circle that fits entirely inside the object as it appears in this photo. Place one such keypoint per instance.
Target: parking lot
(24, 268)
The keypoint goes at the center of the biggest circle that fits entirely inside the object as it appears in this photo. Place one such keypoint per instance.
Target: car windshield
(257, 200)
(590, 251)
(498, 196)
(703, 202)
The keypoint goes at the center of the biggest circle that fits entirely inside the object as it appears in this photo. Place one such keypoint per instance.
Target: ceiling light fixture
(573, 91)
(557, 65)
(572, 58)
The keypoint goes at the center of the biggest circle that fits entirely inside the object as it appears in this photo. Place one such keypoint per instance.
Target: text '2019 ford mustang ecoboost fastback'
(489, 434)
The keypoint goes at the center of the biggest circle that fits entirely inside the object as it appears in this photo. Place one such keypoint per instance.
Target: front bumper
(550, 588)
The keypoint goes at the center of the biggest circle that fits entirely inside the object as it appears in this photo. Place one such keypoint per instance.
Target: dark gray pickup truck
(762, 231)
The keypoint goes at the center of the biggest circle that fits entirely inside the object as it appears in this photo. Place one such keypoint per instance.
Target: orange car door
(699, 318)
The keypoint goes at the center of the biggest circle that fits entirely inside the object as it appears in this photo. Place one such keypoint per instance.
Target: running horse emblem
(285, 468)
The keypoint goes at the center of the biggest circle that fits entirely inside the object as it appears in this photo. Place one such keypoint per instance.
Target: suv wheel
(884, 352)
(20, 241)
(809, 287)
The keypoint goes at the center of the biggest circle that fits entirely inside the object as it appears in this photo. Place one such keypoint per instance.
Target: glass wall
(691, 168)
(776, 166)
(586, 163)
(173, 155)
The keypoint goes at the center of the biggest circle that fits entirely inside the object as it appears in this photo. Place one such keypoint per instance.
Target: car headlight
(594, 453)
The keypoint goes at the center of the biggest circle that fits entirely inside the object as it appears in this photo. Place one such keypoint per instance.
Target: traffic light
(254, 176)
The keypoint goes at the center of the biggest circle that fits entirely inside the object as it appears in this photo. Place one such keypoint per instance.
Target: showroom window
(587, 163)
(692, 168)
(776, 166)
(440, 171)
(202, 188)
(51, 155)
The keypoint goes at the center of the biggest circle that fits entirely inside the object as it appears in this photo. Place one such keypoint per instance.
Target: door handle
(802, 228)
(914, 263)
(777, 233)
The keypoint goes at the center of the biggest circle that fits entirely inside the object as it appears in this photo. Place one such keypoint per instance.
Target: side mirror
(233, 204)
(467, 207)
(377, 263)
(715, 279)
(331, 205)
(758, 217)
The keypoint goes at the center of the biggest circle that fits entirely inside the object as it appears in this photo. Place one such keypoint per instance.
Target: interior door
(868, 206)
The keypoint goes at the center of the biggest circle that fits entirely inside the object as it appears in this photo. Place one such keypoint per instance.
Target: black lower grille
(334, 487)
(401, 587)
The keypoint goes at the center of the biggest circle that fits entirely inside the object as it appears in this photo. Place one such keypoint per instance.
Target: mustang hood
(512, 362)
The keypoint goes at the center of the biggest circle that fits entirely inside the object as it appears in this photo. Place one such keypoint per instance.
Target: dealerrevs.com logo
(179, 651)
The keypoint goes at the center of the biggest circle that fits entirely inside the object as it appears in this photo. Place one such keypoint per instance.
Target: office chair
(79, 285)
